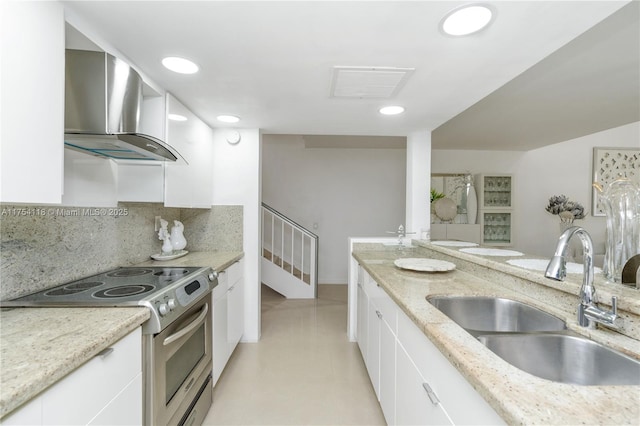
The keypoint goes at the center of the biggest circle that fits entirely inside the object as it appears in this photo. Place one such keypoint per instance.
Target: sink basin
(537, 342)
(479, 315)
(565, 359)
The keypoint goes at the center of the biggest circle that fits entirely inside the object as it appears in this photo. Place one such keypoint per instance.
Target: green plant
(435, 195)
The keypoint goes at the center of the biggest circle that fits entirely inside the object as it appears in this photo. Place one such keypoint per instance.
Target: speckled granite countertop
(39, 346)
(518, 397)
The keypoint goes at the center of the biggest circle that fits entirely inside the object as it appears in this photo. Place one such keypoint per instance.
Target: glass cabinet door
(496, 191)
(496, 228)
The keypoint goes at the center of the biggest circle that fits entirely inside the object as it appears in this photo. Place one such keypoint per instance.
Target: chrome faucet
(401, 233)
(588, 311)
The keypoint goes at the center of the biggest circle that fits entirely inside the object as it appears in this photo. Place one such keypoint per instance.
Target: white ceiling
(589, 85)
(271, 63)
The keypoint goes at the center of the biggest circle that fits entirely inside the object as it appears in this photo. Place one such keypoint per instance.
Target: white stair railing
(289, 256)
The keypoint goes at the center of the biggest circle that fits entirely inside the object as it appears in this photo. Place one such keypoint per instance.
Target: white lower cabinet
(461, 402)
(107, 390)
(413, 405)
(220, 314)
(235, 314)
(228, 316)
(373, 347)
(362, 328)
(380, 343)
(414, 382)
(387, 394)
(122, 410)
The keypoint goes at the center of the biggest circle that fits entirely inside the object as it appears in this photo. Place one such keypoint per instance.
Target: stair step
(306, 278)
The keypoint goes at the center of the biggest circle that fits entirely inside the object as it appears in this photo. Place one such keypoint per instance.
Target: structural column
(418, 182)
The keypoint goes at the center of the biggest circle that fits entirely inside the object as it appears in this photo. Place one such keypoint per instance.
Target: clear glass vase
(621, 203)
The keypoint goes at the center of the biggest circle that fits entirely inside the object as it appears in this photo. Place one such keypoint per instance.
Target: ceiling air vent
(368, 82)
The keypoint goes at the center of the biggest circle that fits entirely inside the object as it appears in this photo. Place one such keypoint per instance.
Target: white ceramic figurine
(177, 236)
(163, 234)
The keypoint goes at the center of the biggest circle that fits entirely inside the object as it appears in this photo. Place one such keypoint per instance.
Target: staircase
(289, 256)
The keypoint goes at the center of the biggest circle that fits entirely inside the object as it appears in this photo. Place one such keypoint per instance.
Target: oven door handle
(195, 323)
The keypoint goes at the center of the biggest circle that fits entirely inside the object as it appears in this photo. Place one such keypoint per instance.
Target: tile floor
(303, 371)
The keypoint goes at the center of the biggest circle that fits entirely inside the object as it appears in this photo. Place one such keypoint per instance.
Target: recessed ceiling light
(466, 19)
(180, 65)
(391, 110)
(228, 118)
(177, 117)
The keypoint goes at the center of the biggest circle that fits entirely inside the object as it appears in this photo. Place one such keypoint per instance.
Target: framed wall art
(608, 164)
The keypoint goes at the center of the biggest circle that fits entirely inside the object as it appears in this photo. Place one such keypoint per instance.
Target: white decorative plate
(173, 255)
(446, 208)
(449, 243)
(424, 265)
(491, 252)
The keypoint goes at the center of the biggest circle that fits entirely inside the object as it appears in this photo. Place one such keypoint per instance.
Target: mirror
(453, 198)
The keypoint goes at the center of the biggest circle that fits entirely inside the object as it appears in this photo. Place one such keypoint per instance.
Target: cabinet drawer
(125, 408)
(413, 404)
(223, 285)
(388, 309)
(370, 286)
(460, 400)
(382, 303)
(91, 387)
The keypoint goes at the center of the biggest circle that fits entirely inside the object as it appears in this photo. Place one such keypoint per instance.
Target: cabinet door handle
(104, 353)
(379, 314)
(432, 395)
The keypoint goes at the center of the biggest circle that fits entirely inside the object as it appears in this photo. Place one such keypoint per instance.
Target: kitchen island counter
(518, 397)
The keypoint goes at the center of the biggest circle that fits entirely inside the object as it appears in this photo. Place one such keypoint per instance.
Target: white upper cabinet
(35, 166)
(188, 183)
(31, 141)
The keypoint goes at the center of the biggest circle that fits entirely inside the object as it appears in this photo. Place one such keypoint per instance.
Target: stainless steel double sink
(537, 342)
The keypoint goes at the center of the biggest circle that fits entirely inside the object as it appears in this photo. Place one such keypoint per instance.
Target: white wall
(562, 168)
(345, 192)
(236, 181)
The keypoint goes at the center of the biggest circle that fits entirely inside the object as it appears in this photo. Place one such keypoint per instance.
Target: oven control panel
(192, 291)
(168, 305)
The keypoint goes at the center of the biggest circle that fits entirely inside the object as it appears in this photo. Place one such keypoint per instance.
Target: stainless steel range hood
(103, 102)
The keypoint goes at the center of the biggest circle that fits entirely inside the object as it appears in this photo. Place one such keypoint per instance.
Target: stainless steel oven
(176, 340)
(178, 369)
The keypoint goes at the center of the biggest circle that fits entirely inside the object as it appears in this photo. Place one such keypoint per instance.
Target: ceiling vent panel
(368, 82)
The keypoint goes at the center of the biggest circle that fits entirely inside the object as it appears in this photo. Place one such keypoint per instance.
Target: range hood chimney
(103, 101)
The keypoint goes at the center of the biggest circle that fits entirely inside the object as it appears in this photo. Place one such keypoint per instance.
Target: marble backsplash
(44, 246)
